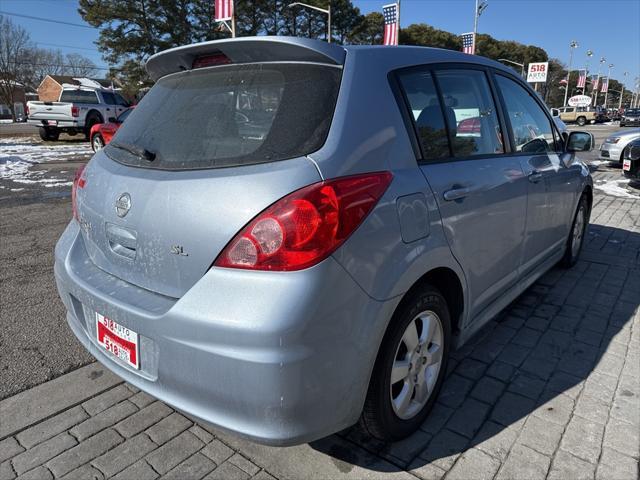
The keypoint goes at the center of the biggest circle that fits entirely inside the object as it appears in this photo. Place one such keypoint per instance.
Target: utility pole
(481, 6)
(624, 77)
(572, 45)
(606, 94)
(595, 98)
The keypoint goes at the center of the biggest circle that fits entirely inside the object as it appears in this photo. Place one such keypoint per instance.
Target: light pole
(586, 70)
(481, 6)
(624, 77)
(606, 94)
(323, 10)
(572, 45)
(595, 98)
(521, 65)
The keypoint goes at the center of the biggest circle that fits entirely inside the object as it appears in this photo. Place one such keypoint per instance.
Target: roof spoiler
(246, 50)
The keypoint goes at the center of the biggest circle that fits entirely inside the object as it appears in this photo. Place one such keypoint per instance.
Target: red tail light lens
(305, 227)
(78, 182)
(27, 109)
(75, 111)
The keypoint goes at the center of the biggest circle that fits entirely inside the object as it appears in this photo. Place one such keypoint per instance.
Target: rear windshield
(78, 96)
(230, 115)
(633, 111)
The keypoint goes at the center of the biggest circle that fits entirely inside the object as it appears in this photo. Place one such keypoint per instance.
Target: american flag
(224, 10)
(582, 79)
(390, 13)
(468, 43)
(605, 85)
(594, 83)
(563, 81)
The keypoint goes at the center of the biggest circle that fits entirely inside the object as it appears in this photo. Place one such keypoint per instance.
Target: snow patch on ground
(615, 188)
(18, 155)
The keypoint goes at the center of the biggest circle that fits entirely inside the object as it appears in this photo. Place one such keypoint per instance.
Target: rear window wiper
(139, 152)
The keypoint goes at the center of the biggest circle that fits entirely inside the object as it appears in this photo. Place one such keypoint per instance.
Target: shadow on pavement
(565, 333)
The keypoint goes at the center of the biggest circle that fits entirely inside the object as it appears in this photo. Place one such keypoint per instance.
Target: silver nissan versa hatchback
(289, 236)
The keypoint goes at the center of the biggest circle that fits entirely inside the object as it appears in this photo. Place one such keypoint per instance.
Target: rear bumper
(59, 123)
(280, 358)
(631, 123)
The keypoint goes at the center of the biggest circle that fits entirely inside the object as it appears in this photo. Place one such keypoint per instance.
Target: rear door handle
(535, 177)
(457, 193)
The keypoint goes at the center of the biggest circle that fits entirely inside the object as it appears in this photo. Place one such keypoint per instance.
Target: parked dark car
(631, 160)
(631, 118)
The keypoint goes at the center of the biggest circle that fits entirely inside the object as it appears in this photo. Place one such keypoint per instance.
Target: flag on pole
(582, 79)
(223, 10)
(468, 43)
(391, 27)
(563, 81)
(605, 85)
(596, 79)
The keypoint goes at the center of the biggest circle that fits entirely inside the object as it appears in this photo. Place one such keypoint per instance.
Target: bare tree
(78, 65)
(15, 45)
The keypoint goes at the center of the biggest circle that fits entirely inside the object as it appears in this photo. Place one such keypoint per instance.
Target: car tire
(97, 142)
(90, 121)
(575, 242)
(581, 121)
(48, 134)
(385, 416)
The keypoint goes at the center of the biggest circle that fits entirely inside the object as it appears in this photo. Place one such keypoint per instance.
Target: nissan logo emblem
(123, 204)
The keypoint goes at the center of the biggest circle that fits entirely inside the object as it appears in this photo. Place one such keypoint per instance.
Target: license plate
(52, 122)
(118, 340)
(626, 165)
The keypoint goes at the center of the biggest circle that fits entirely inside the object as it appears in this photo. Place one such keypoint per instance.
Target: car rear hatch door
(203, 153)
(60, 111)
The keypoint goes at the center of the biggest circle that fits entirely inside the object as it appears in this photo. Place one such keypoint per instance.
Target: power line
(64, 66)
(47, 20)
(67, 46)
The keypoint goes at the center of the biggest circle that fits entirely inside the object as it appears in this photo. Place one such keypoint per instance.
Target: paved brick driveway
(551, 389)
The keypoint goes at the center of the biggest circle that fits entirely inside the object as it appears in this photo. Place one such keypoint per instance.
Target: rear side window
(470, 113)
(531, 129)
(231, 115)
(427, 114)
(79, 96)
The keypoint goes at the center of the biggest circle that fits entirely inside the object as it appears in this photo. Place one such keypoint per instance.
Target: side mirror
(580, 142)
(112, 120)
(555, 112)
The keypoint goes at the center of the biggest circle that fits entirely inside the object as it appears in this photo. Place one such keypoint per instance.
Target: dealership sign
(538, 72)
(580, 101)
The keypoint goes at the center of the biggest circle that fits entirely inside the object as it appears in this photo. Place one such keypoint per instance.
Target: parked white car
(613, 146)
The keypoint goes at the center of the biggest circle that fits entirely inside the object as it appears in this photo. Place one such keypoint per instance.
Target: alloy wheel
(416, 364)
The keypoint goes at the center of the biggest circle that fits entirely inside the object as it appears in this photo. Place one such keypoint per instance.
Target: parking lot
(549, 389)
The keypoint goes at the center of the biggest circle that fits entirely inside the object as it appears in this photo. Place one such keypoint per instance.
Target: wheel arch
(447, 281)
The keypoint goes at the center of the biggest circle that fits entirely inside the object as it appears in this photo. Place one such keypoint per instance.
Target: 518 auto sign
(538, 72)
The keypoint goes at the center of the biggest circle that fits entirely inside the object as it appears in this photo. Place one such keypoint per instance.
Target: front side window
(109, 98)
(470, 113)
(427, 114)
(79, 96)
(531, 129)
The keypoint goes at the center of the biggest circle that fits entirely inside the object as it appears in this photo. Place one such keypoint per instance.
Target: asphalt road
(35, 343)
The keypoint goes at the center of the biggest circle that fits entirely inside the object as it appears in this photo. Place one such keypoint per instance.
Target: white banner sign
(538, 72)
(580, 101)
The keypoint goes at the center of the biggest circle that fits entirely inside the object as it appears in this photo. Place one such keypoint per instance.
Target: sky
(597, 25)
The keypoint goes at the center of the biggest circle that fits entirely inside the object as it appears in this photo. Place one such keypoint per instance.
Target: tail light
(78, 182)
(305, 227)
(75, 111)
(211, 60)
(27, 109)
